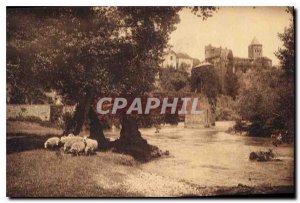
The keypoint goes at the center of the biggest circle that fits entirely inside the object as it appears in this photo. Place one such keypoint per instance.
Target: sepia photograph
(150, 102)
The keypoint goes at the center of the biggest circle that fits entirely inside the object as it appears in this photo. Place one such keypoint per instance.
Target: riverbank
(202, 162)
(42, 173)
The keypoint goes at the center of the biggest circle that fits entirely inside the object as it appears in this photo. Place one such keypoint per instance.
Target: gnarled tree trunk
(130, 132)
(81, 112)
(96, 130)
(132, 143)
(84, 110)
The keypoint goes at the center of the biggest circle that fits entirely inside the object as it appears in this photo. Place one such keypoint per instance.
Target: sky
(231, 27)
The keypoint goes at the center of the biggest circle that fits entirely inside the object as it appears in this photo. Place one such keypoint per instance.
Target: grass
(30, 128)
(42, 173)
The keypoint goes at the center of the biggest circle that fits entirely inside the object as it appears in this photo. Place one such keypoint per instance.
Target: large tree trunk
(130, 132)
(81, 112)
(132, 143)
(96, 130)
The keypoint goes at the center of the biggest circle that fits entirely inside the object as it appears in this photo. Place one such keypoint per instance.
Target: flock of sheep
(75, 145)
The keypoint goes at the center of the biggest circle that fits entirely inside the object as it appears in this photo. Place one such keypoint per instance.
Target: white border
(5, 3)
(149, 3)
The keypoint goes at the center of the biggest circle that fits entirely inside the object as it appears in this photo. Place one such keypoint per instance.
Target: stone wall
(44, 112)
(203, 120)
(23, 111)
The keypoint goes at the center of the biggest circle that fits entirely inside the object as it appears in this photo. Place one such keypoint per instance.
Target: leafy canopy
(114, 50)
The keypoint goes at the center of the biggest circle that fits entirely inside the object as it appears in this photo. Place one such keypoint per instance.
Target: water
(211, 157)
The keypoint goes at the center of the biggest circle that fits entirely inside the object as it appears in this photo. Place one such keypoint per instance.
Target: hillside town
(222, 59)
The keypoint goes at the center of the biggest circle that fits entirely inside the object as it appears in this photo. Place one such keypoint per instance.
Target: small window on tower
(171, 57)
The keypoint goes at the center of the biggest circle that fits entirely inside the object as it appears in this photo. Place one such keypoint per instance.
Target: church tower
(255, 49)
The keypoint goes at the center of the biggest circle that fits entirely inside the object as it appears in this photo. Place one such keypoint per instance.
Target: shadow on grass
(18, 142)
(143, 152)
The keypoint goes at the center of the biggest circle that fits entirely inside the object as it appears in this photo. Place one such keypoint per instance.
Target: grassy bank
(41, 173)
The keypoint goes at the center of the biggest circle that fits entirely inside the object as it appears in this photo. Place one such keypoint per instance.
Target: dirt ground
(201, 163)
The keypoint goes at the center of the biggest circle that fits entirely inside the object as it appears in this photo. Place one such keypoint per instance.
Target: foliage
(71, 48)
(231, 84)
(205, 80)
(260, 101)
(267, 96)
(116, 50)
(226, 108)
(287, 52)
(256, 99)
(88, 52)
(172, 80)
(204, 11)
(286, 100)
(184, 67)
(196, 62)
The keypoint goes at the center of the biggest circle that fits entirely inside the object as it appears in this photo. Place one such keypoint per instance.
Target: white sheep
(91, 146)
(64, 139)
(70, 141)
(52, 142)
(78, 147)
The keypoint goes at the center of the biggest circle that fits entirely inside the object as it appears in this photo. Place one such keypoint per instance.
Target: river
(212, 157)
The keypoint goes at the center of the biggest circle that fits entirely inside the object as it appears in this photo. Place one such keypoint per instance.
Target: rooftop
(182, 55)
(204, 63)
(255, 41)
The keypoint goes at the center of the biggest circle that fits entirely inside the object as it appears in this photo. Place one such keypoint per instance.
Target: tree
(231, 79)
(286, 99)
(205, 80)
(266, 97)
(256, 101)
(172, 80)
(286, 54)
(231, 84)
(89, 52)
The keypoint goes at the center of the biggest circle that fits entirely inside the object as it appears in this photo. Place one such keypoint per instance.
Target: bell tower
(255, 49)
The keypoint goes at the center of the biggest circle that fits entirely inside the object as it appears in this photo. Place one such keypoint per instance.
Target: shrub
(226, 109)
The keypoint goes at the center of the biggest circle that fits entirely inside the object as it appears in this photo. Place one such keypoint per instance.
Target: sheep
(71, 135)
(64, 138)
(52, 142)
(70, 141)
(91, 146)
(78, 147)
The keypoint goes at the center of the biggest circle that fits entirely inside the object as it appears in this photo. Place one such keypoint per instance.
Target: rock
(253, 156)
(262, 155)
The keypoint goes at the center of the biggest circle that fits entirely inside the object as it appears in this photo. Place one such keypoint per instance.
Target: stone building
(169, 60)
(224, 60)
(255, 58)
(255, 49)
(206, 117)
(185, 61)
(178, 60)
